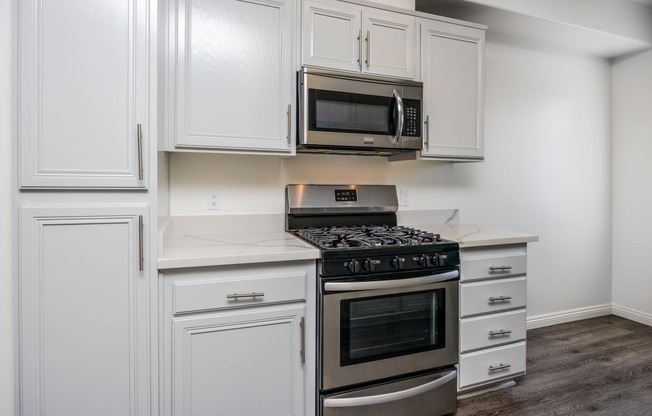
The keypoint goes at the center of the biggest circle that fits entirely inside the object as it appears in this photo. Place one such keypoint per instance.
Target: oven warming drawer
(432, 394)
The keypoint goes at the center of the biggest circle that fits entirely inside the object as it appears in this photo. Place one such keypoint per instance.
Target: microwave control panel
(412, 118)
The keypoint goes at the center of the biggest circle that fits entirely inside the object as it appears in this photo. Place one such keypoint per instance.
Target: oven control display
(345, 195)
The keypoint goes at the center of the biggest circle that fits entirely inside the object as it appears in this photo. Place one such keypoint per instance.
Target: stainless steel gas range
(387, 319)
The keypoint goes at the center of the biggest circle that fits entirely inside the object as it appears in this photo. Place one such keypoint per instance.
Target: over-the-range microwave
(347, 113)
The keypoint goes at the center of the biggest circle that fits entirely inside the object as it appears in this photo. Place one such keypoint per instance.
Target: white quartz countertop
(447, 224)
(201, 242)
(469, 235)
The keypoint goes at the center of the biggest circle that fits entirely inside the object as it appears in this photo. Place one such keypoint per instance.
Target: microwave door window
(347, 112)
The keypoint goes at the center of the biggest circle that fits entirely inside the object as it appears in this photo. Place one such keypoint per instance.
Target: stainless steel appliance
(387, 303)
(357, 114)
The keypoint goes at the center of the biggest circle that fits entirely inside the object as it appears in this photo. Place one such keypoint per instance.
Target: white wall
(6, 209)
(547, 171)
(632, 202)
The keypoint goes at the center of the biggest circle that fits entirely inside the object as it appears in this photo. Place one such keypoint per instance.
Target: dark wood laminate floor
(599, 367)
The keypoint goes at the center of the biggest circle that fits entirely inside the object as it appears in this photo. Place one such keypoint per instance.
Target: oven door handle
(390, 397)
(390, 284)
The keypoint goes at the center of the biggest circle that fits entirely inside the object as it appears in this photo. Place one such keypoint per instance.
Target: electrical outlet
(213, 199)
(404, 197)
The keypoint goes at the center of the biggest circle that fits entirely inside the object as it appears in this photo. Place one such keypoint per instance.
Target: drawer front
(250, 291)
(489, 365)
(492, 296)
(492, 330)
(492, 263)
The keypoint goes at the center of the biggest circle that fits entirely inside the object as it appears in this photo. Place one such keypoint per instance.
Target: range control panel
(389, 263)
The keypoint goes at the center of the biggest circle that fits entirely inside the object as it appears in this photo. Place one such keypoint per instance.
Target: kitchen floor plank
(599, 367)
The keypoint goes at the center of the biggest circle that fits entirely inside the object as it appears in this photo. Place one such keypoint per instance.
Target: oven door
(373, 330)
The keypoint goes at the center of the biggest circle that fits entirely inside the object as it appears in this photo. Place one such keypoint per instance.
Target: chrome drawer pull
(499, 332)
(245, 295)
(499, 298)
(500, 366)
(500, 268)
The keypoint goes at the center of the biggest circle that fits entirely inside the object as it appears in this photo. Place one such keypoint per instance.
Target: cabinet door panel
(331, 36)
(234, 74)
(83, 85)
(491, 365)
(492, 296)
(452, 73)
(238, 364)
(83, 313)
(389, 44)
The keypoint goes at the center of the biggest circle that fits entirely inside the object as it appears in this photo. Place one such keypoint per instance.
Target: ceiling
(604, 28)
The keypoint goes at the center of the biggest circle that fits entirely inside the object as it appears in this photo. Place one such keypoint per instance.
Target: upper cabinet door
(390, 44)
(342, 36)
(233, 74)
(452, 74)
(82, 93)
(332, 36)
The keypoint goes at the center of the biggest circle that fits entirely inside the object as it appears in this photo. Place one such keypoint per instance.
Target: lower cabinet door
(83, 312)
(246, 362)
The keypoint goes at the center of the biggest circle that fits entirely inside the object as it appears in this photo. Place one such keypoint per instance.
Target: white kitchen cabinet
(230, 75)
(452, 71)
(83, 93)
(83, 312)
(359, 39)
(493, 299)
(233, 339)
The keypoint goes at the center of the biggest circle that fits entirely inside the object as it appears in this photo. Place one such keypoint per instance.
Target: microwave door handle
(390, 397)
(390, 284)
(399, 117)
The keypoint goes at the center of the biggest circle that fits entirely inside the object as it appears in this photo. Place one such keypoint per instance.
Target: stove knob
(434, 260)
(369, 265)
(424, 260)
(398, 262)
(352, 266)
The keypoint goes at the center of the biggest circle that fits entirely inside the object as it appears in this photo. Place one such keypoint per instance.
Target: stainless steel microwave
(346, 113)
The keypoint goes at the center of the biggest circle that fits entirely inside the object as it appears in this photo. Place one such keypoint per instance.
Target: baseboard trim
(570, 315)
(632, 314)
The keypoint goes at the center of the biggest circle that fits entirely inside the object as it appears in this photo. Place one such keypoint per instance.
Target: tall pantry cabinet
(86, 151)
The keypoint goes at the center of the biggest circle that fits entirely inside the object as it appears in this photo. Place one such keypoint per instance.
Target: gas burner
(367, 236)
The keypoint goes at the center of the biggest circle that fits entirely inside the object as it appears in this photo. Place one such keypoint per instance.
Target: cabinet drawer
(492, 296)
(491, 263)
(492, 330)
(225, 294)
(493, 364)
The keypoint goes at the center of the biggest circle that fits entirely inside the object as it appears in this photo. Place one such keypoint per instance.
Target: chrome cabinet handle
(303, 340)
(500, 366)
(360, 48)
(400, 116)
(499, 332)
(141, 244)
(139, 138)
(499, 298)
(499, 268)
(245, 295)
(368, 48)
(427, 135)
(289, 114)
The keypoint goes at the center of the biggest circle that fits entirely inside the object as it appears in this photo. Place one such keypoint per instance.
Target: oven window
(352, 113)
(381, 327)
